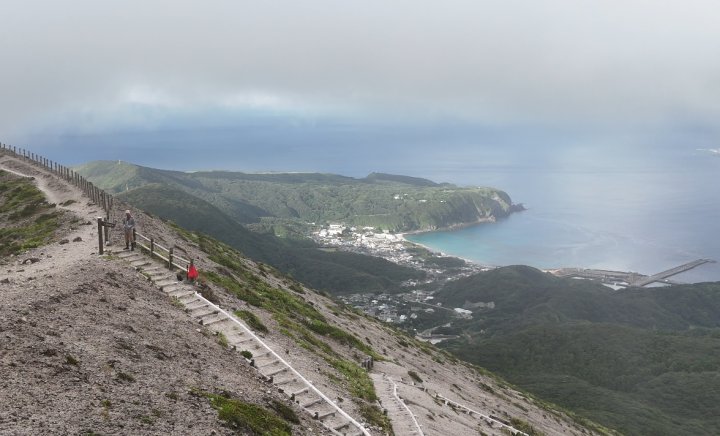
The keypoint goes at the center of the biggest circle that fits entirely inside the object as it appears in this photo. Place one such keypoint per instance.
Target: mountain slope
(89, 346)
(336, 272)
(398, 203)
(644, 361)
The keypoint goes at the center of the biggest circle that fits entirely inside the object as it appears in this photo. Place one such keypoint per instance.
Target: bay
(632, 212)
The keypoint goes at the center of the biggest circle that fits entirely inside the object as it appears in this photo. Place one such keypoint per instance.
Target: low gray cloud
(551, 62)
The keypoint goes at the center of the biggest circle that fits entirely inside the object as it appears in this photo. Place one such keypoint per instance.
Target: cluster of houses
(398, 308)
(365, 240)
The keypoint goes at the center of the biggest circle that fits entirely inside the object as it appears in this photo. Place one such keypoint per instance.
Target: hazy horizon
(458, 74)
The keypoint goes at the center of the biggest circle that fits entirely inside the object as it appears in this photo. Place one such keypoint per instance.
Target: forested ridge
(643, 361)
(390, 202)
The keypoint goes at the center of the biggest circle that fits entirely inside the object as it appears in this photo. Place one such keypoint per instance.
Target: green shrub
(285, 411)
(222, 340)
(249, 417)
(252, 320)
(413, 375)
(374, 416)
(360, 383)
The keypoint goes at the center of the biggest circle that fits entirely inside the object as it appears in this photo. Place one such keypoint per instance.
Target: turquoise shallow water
(644, 216)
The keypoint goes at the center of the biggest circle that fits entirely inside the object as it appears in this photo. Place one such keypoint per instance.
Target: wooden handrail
(170, 259)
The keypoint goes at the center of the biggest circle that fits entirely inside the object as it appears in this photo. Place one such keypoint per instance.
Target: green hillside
(397, 203)
(334, 272)
(643, 361)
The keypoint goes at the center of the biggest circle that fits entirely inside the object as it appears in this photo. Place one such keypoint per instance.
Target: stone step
(188, 300)
(140, 262)
(313, 403)
(286, 381)
(208, 310)
(184, 295)
(172, 288)
(125, 254)
(178, 290)
(244, 341)
(344, 425)
(196, 308)
(157, 275)
(277, 371)
(263, 355)
(161, 283)
(325, 415)
(301, 391)
(197, 305)
(211, 321)
(235, 332)
(153, 268)
(266, 364)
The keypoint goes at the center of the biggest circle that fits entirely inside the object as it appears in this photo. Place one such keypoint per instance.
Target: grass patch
(240, 290)
(285, 411)
(222, 340)
(414, 375)
(249, 417)
(70, 360)
(123, 376)
(324, 329)
(524, 427)
(252, 320)
(26, 220)
(358, 379)
(374, 416)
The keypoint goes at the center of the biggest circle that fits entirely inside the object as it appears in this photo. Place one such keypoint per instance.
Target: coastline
(450, 228)
(433, 251)
(514, 208)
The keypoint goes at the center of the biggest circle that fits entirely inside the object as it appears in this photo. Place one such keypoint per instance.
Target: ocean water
(640, 210)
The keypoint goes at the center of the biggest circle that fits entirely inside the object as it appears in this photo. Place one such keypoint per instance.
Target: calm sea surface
(632, 212)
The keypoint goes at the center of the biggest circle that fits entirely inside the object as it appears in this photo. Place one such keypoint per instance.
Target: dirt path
(66, 256)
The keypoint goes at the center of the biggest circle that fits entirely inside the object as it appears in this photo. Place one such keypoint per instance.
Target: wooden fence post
(100, 235)
(170, 258)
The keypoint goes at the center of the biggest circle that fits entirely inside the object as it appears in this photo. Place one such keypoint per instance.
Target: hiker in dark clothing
(128, 226)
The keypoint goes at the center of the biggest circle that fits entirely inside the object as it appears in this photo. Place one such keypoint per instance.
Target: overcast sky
(102, 64)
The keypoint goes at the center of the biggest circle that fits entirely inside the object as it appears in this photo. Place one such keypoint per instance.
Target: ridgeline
(389, 202)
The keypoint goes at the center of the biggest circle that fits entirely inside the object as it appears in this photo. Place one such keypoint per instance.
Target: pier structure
(661, 276)
(629, 278)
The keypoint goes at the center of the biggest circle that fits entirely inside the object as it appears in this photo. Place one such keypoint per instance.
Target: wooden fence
(97, 195)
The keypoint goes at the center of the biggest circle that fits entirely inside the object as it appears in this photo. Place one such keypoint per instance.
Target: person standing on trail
(128, 226)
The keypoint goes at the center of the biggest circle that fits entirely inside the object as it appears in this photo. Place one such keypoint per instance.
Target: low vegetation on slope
(334, 272)
(296, 318)
(644, 361)
(26, 219)
(391, 202)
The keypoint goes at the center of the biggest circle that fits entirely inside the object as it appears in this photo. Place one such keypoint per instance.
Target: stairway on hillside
(241, 338)
(403, 421)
